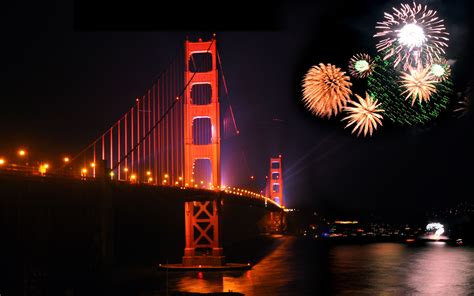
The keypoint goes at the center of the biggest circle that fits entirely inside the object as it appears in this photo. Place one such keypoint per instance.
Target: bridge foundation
(203, 240)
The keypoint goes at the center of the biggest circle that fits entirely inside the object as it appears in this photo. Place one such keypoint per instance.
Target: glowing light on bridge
(66, 159)
(22, 152)
(2, 161)
(92, 165)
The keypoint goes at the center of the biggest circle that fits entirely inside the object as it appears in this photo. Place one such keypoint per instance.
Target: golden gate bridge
(171, 137)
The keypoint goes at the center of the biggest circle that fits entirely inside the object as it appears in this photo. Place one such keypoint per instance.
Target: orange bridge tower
(202, 217)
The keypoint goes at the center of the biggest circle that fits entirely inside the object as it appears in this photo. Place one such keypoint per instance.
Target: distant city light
(346, 222)
(2, 161)
(92, 164)
(125, 169)
(148, 173)
(133, 177)
(66, 159)
(21, 152)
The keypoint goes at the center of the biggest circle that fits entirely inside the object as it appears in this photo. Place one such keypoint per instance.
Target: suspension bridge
(170, 140)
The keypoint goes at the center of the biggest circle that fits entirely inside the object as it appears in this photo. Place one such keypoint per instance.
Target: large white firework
(365, 114)
(414, 34)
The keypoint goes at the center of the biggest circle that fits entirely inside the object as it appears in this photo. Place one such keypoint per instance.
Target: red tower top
(275, 180)
(201, 69)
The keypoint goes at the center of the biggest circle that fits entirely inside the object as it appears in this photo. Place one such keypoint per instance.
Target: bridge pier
(203, 239)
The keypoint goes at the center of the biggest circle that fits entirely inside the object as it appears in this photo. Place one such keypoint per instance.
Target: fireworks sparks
(365, 114)
(464, 103)
(361, 65)
(412, 33)
(463, 106)
(418, 83)
(384, 85)
(326, 90)
(441, 70)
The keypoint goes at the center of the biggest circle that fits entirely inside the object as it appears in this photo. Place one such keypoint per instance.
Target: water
(304, 267)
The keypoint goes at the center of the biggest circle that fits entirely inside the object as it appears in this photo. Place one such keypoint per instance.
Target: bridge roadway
(85, 224)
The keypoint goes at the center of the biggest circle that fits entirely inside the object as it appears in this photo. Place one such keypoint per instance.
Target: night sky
(62, 85)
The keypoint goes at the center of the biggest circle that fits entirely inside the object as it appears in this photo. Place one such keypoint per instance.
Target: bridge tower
(202, 217)
(275, 181)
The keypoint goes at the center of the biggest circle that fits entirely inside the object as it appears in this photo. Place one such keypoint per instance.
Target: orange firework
(365, 114)
(418, 83)
(326, 90)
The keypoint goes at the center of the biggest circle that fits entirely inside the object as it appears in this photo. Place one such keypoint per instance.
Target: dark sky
(63, 85)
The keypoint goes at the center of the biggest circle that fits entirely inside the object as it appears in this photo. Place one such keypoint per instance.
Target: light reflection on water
(302, 267)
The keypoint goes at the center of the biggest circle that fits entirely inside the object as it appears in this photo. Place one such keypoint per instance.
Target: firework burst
(326, 90)
(418, 83)
(365, 114)
(411, 33)
(440, 69)
(361, 65)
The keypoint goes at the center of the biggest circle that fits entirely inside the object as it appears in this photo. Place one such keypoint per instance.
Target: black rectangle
(175, 15)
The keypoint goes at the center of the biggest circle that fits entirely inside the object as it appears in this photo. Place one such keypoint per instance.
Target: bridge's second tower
(275, 181)
(201, 103)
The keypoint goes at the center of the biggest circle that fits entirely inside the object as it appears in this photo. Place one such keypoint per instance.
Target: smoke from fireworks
(418, 83)
(365, 114)
(412, 33)
(361, 65)
(326, 90)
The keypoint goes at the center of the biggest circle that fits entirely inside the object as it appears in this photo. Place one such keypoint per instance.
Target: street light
(84, 173)
(66, 159)
(22, 152)
(2, 161)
